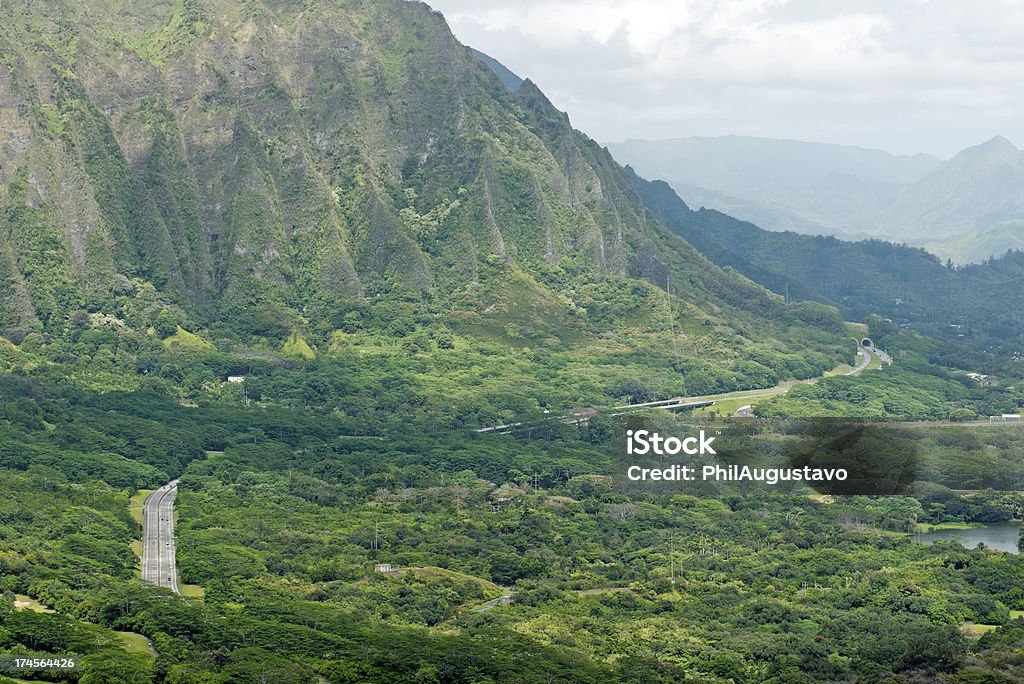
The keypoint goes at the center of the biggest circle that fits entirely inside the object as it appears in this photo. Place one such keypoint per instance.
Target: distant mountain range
(974, 304)
(967, 208)
(510, 80)
(977, 303)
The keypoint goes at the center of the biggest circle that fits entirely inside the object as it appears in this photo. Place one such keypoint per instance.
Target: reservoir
(1001, 536)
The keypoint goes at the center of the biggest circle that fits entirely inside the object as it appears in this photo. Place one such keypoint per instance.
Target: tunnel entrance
(866, 342)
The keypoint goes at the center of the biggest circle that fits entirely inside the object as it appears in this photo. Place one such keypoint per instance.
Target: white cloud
(910, 75)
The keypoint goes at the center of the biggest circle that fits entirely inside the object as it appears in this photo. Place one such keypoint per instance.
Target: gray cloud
(903, 75)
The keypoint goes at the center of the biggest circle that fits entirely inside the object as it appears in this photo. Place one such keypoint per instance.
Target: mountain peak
(996, 144)
(996, 149)
(1000, 141)
(401, 171)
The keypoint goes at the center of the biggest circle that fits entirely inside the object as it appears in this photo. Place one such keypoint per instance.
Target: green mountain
(245, 157)
(273, 173)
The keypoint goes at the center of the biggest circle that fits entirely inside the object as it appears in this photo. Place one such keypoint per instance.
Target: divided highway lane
(158, 565)
(864, 355)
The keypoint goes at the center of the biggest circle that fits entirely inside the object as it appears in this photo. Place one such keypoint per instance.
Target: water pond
(1001, 536)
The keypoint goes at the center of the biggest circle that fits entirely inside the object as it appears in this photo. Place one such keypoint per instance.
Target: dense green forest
(389, 365)
(281, 521)
(298, 255)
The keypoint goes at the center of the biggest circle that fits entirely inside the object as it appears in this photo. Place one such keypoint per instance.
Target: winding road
(865, 355)
(158, 565)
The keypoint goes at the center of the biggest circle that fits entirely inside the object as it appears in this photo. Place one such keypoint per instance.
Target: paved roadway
(158, 566)
(864, 356)
(503, 600)
(863, 361)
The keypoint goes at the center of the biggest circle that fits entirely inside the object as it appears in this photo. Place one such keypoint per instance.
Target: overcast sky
(903, 75)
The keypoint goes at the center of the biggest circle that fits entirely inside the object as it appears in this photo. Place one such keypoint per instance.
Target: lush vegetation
(281, 522)
(303, 287)
(456, 201)
(906, 391)
(388, 364)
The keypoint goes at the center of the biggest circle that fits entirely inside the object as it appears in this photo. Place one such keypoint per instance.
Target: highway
(864, 355)
(864, 358)
(158, 564)
(863, 361)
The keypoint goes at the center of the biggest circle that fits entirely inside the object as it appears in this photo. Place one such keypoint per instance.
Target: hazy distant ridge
(967, 208)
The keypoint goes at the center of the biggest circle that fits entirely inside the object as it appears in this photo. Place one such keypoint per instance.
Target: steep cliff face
(265, 160)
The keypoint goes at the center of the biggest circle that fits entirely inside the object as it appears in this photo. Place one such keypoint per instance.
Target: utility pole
(672, 556)
(672, 328)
